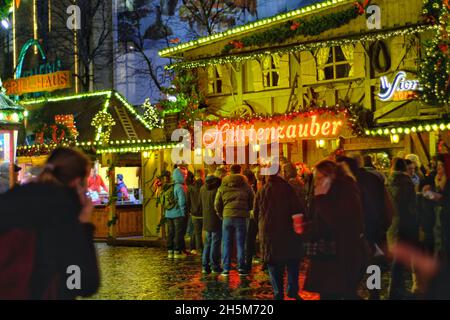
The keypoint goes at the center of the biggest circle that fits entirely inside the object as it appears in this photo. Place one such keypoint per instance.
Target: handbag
(323, 247)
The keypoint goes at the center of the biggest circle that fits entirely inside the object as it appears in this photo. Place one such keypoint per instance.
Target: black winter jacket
(211, 221)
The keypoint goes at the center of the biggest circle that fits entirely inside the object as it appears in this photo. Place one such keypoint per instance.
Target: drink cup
(298, 223)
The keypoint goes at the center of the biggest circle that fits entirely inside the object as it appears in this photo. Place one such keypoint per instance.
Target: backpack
(168, 197)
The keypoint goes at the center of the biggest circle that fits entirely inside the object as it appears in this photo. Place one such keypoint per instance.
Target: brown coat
(275, 204)
(339, 214)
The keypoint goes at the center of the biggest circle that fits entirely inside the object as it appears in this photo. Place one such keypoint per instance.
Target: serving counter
(129, 220)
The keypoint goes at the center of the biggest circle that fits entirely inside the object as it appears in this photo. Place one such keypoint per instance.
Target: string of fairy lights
(314, 8)
(301, 47)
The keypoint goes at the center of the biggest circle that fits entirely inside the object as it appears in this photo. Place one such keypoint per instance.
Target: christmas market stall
(369, 59)
(11, 121)
(117, 137)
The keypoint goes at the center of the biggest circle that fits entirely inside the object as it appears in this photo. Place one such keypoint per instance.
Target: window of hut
(271, 71)
(335, 62)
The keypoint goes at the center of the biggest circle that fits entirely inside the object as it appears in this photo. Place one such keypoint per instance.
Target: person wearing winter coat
(281, 246)
(46, 237)
(176, 216)
(338, 220)
(234, 200)
(252, 225)
(404, 227)
(211, 224)
(194, 209)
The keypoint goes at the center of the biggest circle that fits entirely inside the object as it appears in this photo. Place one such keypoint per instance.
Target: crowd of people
(353, 216)
(337, 219)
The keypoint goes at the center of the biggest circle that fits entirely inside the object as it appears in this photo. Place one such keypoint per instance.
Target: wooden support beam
(388, 108)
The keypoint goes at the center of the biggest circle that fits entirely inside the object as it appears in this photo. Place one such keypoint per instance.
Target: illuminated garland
(424, 127)
(103, 123)
(307, 10)
(137, 148)
(11, 116)
(434, 74)
(369, 37)
(311, 27)
(358, 117)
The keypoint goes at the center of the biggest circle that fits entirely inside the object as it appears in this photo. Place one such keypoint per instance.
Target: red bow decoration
(295, 26)
(361, 6)
(237, 44)
(175, 40)
(444, 48)
(55, 138)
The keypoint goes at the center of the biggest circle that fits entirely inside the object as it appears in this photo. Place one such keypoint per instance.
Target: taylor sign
(399, 89)
(317, 126)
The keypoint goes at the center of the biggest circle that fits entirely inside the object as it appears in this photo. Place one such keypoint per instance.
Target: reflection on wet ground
(147, 274)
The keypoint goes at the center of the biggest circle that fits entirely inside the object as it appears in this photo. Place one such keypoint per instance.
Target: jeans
(197, 234)
(276, 271)
(184, 229)
(175, 235)
(233, 228)
(211, 251)
(250, 242)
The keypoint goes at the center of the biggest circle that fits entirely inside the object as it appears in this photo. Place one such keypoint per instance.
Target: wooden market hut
(122, 138)
(329, 53)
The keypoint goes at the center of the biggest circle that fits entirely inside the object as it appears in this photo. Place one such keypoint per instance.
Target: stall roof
(129, 124)
(8, 108)
(307, 7)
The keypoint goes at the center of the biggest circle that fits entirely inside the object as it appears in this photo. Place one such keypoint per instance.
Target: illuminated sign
(282, 129)
(38, 83)
(399, 89)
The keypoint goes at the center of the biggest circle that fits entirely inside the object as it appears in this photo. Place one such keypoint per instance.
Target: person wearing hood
(404, 227)
(174, 203)
(211, 223)
(193, 205)
(233, 203)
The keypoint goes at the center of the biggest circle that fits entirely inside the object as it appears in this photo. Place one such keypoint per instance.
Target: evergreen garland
(5, 8)
(311, 27)
(434, 72)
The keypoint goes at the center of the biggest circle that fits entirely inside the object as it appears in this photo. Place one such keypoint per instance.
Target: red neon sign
(277, 129)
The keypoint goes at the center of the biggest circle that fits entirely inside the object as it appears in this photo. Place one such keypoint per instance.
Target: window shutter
(225, 75)
(211, 76)
(308, 68)
(284, 71)
(359, 61)
(256, 73)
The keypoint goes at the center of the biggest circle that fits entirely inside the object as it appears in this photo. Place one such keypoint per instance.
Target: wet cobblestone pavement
(147, 274)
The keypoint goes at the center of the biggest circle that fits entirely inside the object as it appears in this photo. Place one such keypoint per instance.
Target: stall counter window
(8, 141)
(127, 186)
